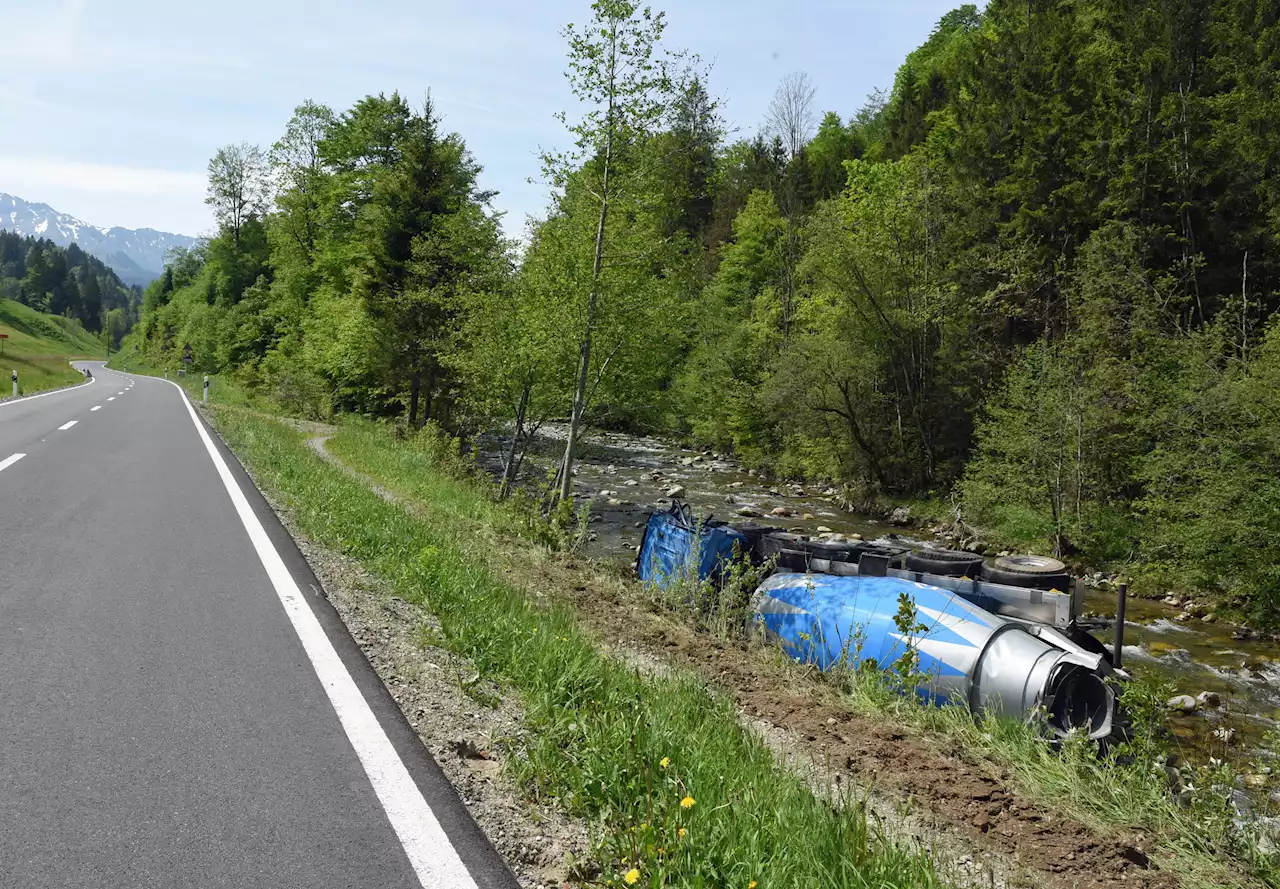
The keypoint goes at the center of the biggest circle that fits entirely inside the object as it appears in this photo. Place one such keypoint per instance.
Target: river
(626, 477)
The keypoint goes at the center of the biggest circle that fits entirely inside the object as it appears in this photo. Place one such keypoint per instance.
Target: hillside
(136, 255)
(39, 346)
(1031, 290)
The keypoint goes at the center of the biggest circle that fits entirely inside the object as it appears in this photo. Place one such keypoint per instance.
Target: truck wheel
(945, 562)
(1032, 572)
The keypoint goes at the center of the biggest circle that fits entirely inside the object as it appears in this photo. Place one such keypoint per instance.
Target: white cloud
(17, 172)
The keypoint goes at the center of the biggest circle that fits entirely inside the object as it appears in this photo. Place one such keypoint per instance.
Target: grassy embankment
(39, 347)
(598, 730)
(1127, 791)
(683, 794)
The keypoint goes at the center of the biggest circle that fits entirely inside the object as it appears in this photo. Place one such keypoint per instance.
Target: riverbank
(997, 786)
(1059, 820)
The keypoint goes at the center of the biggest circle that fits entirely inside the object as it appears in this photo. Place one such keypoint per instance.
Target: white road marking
(112, 398)
(121, 392)
(10, 460)
(434, 859)
(65, 426)
(96, 407)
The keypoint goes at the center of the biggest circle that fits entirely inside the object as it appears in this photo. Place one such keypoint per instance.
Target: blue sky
(110, 109)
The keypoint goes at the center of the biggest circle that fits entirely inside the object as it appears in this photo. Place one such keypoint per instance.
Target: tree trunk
(509, 462)
(431, 389)
(415, 386)
(584, 347)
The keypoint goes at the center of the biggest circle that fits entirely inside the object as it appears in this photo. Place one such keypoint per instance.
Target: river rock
(611, 469)
(730, 499)
(822, 529)
(780, 511)
(748, 512)
(774, 492)
(900, 516)
(797, 491)
(808, 517)
(1243, 634)
(631, 483)
(735, 484)
(854, 536)
(687, 461)
(751, 472)
(1209, 699)
(1172, 601)
(675, 491)
(1182, 703)
(614, 501)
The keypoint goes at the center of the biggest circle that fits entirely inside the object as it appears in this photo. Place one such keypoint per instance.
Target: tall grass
(684, 796)
(1124, 789)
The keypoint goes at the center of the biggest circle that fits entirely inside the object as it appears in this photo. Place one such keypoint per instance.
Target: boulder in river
(687, 461)
(822, 529)
(809, 517)
(735, 484)
(1182, 703)
(748, 512)
(675, 491)
(631, 483)
(1209, 699)
(730, 499)
(900, 516)
(780, 511)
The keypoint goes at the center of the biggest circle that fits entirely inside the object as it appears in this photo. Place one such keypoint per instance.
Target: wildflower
(751, 885)
(666, 762)
(632, 876)
(687, 802)
(682, 832)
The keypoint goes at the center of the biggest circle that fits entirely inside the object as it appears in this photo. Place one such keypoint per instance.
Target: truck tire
(945, 562)
(1032, 572)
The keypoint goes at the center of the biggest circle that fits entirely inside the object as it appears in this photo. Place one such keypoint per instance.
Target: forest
(66, 281)
(1032, 282)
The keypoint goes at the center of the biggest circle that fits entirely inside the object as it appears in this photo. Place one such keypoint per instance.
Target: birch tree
(621, 74)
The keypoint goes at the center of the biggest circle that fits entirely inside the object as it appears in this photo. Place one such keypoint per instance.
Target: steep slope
(39, 346)
(136, 255)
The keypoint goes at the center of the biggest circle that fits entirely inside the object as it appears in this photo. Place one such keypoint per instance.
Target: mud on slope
(965, 796)
(961, 796)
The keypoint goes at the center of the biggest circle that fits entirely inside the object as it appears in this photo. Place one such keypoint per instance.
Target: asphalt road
(179, 707)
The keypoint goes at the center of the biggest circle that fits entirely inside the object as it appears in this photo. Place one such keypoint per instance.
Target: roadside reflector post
(15, 382)
(206, 388)
(1122, 601)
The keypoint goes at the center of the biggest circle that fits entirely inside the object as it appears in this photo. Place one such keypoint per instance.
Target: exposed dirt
(1015, 842)
(962, 795)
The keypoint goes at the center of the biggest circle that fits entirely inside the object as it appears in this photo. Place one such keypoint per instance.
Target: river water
(626, 477)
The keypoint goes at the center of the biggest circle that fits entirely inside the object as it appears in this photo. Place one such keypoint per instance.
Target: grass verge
(683, 795)
(39, 347)
(1197, 834)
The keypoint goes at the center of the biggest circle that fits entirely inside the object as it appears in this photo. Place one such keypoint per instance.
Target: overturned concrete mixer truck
(1004, 648)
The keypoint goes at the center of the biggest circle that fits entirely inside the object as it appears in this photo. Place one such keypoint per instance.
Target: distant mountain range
(136, 255)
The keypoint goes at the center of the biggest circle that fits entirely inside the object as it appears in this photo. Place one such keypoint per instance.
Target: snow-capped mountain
(136, 255)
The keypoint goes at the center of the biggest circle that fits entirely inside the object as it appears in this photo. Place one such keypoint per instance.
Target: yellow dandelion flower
(632, 876)
(751, 885)
(682, 832)
(687, 802)
(666, 762)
